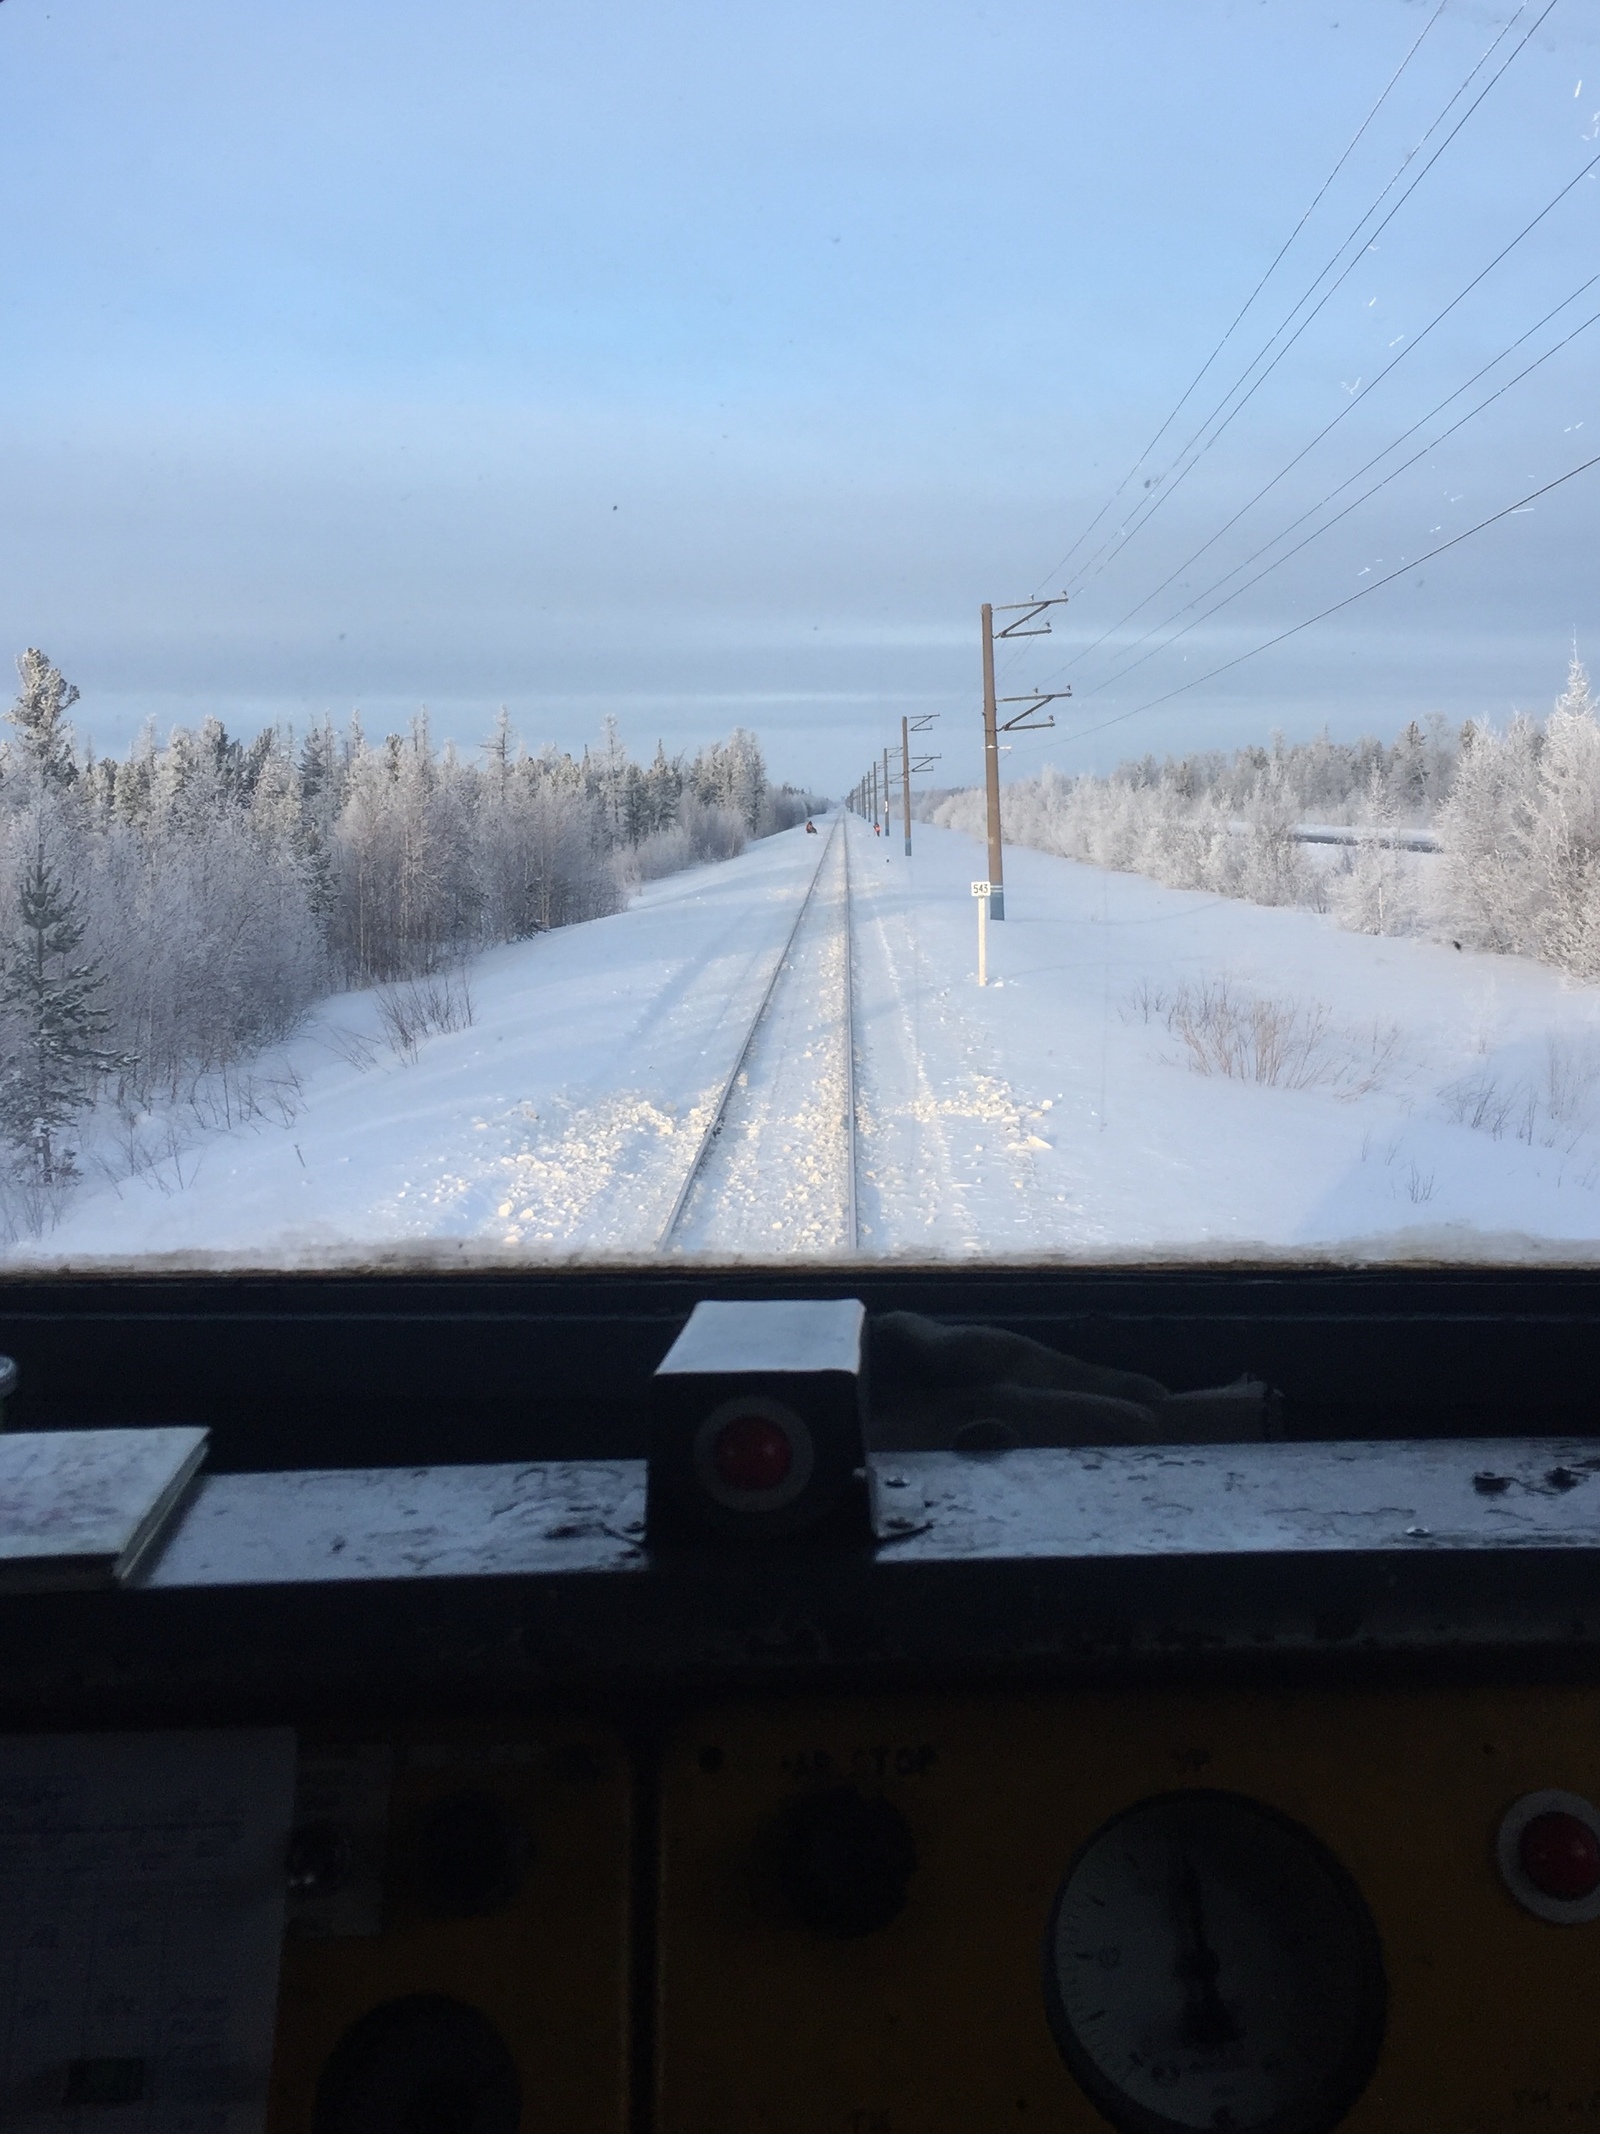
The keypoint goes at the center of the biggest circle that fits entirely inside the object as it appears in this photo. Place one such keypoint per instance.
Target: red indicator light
(1560, 1855)
(752, 1453)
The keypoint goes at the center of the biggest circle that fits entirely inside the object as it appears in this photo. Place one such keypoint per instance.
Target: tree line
(1515, 814)
(167, 913)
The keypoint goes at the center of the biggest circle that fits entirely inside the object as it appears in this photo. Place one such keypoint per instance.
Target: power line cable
(1159, 496)
(1392, 446)
(1354, 504)
(1522, 504)
(1149, 505)
(1353, 402)
(1184, 397)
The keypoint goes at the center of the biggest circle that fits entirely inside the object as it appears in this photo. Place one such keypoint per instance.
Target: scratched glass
(910, 630)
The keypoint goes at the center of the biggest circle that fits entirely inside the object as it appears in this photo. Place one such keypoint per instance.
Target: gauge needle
(1205, 2020)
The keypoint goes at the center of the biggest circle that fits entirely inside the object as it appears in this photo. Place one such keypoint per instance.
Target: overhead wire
(1192, 387)
(1245, 387)
(1522, 503)
(1158, 496)
(1350, 405)
(1354, 505)
(1323, 501)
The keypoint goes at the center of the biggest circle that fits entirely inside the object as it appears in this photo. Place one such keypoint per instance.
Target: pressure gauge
(1210, 1964)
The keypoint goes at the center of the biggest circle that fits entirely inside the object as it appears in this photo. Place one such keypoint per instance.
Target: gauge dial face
(1210, 1964)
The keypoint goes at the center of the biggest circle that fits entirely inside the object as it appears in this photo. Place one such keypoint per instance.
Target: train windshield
(924, 632)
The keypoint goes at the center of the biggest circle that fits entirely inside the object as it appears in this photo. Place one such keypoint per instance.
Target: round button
(844, 1862)
(1548, 1849)
(752, 1452)
(754, 1456)
(1560, 1855)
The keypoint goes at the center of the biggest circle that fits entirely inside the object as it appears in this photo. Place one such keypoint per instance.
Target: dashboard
(1209, 1785)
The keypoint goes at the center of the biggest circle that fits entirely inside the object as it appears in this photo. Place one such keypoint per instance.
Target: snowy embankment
(1153, 1072)
(557, 1122)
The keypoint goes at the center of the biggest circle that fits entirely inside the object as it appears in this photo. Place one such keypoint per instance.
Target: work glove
(976, 1389)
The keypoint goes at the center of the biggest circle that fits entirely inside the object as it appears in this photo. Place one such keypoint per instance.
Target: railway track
(786, 1110)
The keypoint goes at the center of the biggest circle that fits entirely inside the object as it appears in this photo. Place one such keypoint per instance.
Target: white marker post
(983, 891)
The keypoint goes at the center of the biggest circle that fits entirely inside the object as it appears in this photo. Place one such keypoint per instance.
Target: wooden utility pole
(910, 766)
(888, 795)
(1027, 624)
(991, 770)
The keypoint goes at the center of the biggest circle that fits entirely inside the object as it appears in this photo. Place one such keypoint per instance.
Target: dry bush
(1572, 1067)
(416, 1010)
(1282, 1044)
(1148, 1002)
(1556, 1114)
(1418, 1184)
(354, 1047)
(1252, 1039)
(1480, 1101)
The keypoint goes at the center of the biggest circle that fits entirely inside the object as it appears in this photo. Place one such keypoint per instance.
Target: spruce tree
(55, 1026)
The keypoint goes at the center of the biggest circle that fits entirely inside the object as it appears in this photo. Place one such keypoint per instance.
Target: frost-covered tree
(1516, 815)
(1373, 895)
(1487, 893)
(55, 1026)
(1564, 844)
(40, 718)
(664, 780)
(200, 893)
(732, 774)
(1274, 864)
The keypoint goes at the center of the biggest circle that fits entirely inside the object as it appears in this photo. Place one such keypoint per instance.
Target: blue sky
(711, 365)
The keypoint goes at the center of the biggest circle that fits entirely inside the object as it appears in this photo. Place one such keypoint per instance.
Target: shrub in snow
(1249, 1037)
(421, 1007)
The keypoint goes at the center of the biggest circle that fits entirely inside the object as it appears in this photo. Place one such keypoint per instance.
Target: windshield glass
(923, 631)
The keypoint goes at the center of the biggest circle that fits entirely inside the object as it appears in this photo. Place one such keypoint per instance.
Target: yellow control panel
(938, 1915)
(457, 1954)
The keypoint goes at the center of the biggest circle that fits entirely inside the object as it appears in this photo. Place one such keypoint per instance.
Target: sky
(710, 366)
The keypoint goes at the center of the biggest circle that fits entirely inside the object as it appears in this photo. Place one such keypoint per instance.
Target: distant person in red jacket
(811, 828)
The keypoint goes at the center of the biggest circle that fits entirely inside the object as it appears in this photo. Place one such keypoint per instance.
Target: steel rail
(714, 1124)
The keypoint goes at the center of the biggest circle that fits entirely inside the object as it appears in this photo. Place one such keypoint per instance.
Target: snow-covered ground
(1150, 1072)
(776, 1177)
(1428, 1101)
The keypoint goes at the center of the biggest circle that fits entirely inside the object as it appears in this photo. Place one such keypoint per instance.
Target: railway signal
(1024, 721)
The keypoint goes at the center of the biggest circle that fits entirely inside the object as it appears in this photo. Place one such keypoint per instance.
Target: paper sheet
(141, 1916)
